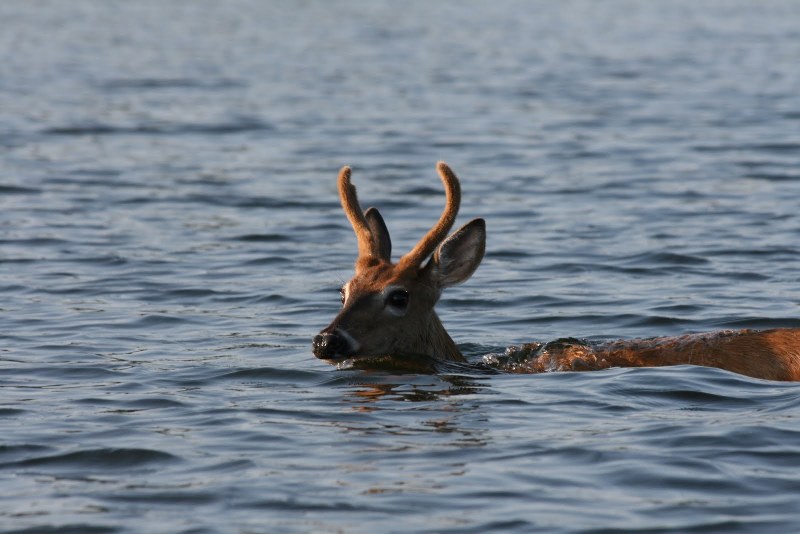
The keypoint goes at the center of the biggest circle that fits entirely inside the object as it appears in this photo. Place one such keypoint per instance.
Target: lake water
(171, 240)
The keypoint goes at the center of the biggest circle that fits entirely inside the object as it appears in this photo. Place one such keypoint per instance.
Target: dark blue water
(170, 241)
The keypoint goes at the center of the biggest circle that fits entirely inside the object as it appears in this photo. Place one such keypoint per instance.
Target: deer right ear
(380, 234)
(460, 254)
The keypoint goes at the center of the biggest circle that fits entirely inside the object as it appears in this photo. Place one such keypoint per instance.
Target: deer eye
(398, 299)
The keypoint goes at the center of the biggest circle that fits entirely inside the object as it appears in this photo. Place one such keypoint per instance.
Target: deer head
(387, 308)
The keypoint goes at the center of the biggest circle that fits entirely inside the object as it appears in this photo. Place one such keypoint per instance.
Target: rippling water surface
(170, 241)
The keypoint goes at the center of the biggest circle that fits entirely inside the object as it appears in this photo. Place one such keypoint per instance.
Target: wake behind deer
(388, 308)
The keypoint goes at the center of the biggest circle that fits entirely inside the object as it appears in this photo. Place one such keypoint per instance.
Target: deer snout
(332, 345)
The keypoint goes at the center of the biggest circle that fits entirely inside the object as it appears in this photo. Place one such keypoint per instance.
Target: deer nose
(329, 345)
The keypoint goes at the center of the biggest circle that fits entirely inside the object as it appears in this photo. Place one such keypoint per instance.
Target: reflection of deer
(388, 308)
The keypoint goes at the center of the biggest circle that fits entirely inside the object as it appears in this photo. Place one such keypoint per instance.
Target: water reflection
(443, 405)
(442, 387)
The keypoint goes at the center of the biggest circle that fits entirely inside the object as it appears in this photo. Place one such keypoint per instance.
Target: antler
(347, 194)
(436, 235)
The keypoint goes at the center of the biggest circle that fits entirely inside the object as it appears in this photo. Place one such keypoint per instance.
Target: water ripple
(95, 460)
(215, 128)
(171, 239)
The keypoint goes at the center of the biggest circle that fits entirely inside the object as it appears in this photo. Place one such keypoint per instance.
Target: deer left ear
(380, 234)
(459, 255)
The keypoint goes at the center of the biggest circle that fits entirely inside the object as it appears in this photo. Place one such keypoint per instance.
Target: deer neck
(437, 342)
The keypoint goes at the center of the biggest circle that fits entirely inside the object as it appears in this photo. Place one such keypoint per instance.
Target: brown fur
(769, 354)
(372, 327)
(418, 332)
(365, 318)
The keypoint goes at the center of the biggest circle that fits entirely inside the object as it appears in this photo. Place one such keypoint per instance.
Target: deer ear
(460, 254)
(379, 233)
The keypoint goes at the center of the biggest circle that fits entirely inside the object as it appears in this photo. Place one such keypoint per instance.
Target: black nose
(329, 346)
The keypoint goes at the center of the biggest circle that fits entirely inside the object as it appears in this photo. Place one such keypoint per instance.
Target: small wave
(268, 373)
(418, 364)
(106, 260)
(186, 497)
(654, 320)
(18, 190)
(774, 177)
(245, 125)
(276, 299)
(159, 320)
(35, 241)
(664, 259)
(21, 450)
(171, 83)
(779, 148)
(307, 506)
(65, 372)
(70, 528)
(761, 323)
(134, 405)
(234, 202)
(271, 260)
(746, 276)
(778, 252)
(261, 238)
(97, 458)
(187, 293)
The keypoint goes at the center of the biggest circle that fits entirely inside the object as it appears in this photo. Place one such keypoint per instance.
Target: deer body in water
(388, 308)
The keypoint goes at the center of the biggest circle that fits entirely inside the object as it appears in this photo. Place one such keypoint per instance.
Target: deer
(388, 308)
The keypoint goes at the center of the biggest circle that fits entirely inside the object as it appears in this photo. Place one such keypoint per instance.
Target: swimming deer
(388, 308)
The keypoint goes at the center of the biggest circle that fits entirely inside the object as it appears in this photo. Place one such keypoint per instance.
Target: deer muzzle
(331, 345)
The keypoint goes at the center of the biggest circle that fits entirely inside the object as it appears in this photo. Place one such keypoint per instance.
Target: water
(170, 241)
